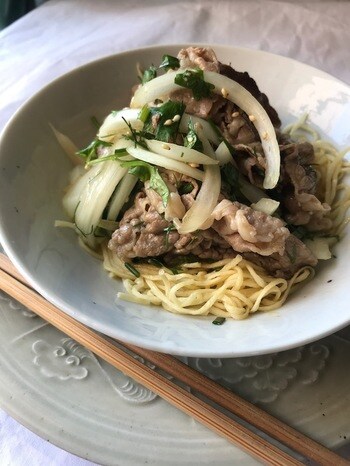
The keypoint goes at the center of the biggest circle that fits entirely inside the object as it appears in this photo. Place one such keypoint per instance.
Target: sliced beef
(245, 80)
(206, 244)
(251, 162)
(201, 108)
(176, 182)
(233, 122)
(246, 229)
(297, 188)
(296, 256)
(205, 59)
(146, 229)
(143, 232)
(199, 57)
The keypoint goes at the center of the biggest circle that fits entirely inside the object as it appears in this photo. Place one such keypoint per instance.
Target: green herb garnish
(138, 137)
(229, 146)
(144, 113)
(145, 171)
(185, 187)
(149, 74)
(219, 321)
(132, 269)
(162, 123)
(167, 231)
(115, 156)
(155, 262)
(169, 63)
(95, 122)
(194, 80)
(230, 181)
(192, 140)
(90, 152)
(215, 128)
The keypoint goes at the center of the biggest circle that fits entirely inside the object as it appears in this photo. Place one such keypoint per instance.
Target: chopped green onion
(149, 74)
(194, 80)
(185, 188)
(132, 269)
(145, 111)
(231, 183)
(167, 117)
(145, 171)
(136, 136)
(95, 122)
(219, 321)
(192, 140)
(169, 62)
(155, 262)
(114, 156)
(167, 231)
(90, 152)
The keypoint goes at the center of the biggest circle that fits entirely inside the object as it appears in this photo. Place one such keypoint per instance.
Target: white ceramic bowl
(34, 171)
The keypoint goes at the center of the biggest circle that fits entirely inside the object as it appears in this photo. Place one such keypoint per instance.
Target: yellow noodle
(235, 291)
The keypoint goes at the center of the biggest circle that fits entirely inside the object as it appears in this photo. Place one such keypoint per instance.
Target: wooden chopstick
(245, 410)
(204, 413)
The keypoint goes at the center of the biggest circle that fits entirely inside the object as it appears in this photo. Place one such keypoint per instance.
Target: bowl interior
(34, 172)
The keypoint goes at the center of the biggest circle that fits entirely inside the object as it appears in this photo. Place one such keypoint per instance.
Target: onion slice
(180, 153)
(100, 184)
(199, 215)
(260, 119)
(210, 132)
(121, 195)
(68, 146)
(156, 159)
(321, 247)
(157, 88)
(204, 204)
(223, 154)
(250, 191)
(114, 125)
(266, 205)
(231, 90)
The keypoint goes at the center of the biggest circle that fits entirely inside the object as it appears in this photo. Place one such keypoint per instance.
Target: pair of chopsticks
(12, 283)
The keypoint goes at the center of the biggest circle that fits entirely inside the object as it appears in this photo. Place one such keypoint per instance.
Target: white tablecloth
(62, 34)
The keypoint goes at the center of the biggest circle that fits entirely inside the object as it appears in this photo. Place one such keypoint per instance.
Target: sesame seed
(176, 118)
(251, 117)
(265, 135)
(224, 93)
(165, 146)
(168, 122)
(235, 114)
(193, 165)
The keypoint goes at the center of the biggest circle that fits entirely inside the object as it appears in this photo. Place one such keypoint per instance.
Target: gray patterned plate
(65, 394)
